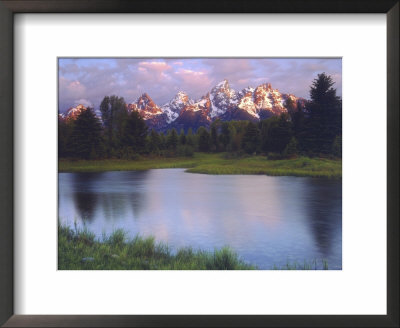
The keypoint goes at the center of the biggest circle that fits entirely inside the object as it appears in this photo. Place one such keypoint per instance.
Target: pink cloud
(189, 72)
(243, 81)
(155, 66)
(83, 102)
(74, 88)
(91, 80)
(230, 68)
(152, 73)
(195, 82)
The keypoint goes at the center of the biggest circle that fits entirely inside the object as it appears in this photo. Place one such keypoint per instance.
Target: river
(267, 220)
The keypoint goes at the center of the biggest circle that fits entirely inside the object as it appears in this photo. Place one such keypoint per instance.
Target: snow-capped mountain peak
(203, 104)
(221, 102)
(73, 112)
(175, 106)
(268, 99)
(222, 98)
(149, 111)
(182, 97)
(146, 104)
(246, 103)
(224, 84)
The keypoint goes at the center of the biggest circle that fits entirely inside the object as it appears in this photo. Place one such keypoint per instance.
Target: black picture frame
(10, 7)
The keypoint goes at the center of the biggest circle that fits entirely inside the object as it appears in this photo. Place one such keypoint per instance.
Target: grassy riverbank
(80, 250)
(215, 164)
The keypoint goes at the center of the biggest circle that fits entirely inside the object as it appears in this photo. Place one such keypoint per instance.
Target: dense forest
(313, 130)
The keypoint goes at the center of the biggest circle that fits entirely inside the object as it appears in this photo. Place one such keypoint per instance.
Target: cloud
(70, 90)
(83, 102)
(73, 87)
(92, 79)
(243, 81)
(230, 69)
(189, 73)
(155, 66)
(294, 75)
(195, 83)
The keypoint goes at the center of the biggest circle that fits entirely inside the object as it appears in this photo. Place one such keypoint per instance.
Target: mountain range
(222, 102)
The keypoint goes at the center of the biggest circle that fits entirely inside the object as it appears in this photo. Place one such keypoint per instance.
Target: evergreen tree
(278, 133)
(65, 129)
(291, 148)
(154, 142)
(113, 113)
(190, 140)
(225, 136)
(134, 132)
(291, 105)
(204, 139)
(251, 138)
(238, 129)
(163, 141)
(235, 138)
(264, 124)
(298, 123)
(337, 146)
(324, 121)
(85, 141)
(182, 137)
(214, 138)
(172, 139)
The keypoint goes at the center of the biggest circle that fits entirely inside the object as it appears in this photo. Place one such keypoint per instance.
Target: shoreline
(79, 249)
(214, 164)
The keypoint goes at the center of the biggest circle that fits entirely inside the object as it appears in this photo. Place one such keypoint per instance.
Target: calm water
(266, 220)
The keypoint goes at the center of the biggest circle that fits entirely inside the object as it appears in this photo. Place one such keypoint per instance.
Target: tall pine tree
(324, 116)
(86, 137)
(277, 132)
(154, 142)
(204, 139)
(113, 113)
(172, 139)
(251, 138)
(134, 132)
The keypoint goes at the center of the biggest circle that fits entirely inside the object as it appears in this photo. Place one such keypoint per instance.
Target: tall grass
(217, 164)
(78, 249)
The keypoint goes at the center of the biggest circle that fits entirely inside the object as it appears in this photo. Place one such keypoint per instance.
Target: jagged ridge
(222, 102)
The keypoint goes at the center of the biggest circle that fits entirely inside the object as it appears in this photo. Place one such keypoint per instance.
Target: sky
(87, 81)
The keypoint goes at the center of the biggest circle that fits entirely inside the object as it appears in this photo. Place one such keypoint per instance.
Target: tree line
(313, 130)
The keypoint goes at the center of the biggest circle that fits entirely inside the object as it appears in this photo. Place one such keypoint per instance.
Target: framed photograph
(213, 164)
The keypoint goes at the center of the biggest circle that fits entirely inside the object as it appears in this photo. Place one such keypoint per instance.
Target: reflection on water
(267, 220)
(324, 206)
